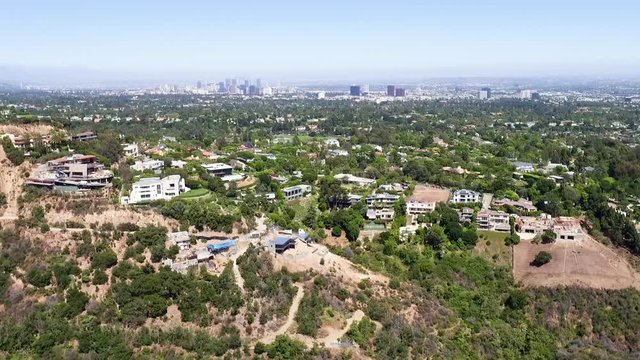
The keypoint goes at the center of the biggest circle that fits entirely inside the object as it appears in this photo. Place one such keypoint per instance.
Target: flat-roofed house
(493, 220)
(382, 214)
(218, 169)
(130, 149)
(417, 207)
(357, 180)
(384, 200)
(466, 196)
(79, 170)
(283, 243)
(522, 166)
(84, 136)
(151, 189)
(181, 239)
(296, 192)
(520, 204)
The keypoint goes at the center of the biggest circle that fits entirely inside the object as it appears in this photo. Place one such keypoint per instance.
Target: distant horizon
(67, 76)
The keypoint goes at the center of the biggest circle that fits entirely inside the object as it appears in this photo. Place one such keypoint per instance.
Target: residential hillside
(217, 226)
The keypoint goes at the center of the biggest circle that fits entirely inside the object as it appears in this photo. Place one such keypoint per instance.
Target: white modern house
(338, 152)
(466, 196)
(415, 207)
(382, 200)
(130, 150)
(522, 166)
(357, 180)
(151, 189)
(178, 164)
(297, 191)
(148, 164)
(395, 187)
(383, 214)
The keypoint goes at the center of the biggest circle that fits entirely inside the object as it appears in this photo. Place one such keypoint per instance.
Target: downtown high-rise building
(525, 94)
(391, 90)
(233, 88)
(484, 93)
(354, 90)
(400, 92)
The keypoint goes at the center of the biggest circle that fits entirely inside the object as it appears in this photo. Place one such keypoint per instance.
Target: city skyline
(357, 41)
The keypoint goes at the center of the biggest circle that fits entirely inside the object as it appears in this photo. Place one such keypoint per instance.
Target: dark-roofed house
(282, 243)
(84, 136)
(218, 169)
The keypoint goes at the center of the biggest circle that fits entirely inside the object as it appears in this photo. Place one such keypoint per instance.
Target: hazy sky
(325, 37)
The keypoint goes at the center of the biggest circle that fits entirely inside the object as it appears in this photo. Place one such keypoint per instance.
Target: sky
(323, 39)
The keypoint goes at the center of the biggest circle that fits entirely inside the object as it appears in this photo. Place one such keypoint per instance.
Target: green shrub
(100, 277)
(128, 226)
(104, 259)
(15, 155)
(39, 277)
(308, 316)
(336, 231)
(541, 258)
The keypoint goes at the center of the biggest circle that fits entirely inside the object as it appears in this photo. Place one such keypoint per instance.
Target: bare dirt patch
(335, 240)
(248, 182)
(115, 216)
(26, 129)
(305, 257)
(429, 193)
(585, 263)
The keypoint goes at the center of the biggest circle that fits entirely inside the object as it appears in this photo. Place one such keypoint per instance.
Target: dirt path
(331, 340)
(293, 310)
(238, 276)
(242, 247)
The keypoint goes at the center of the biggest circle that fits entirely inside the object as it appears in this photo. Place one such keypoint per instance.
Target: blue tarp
(221, 246)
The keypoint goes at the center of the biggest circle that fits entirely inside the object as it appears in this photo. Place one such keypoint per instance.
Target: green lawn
(301, 206)
(194, 194)
(491, 246)
(304, 138)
